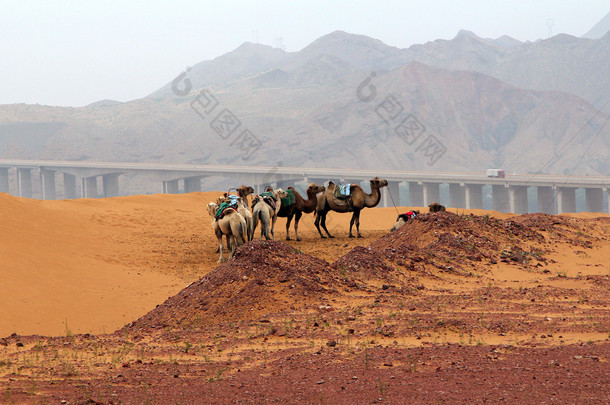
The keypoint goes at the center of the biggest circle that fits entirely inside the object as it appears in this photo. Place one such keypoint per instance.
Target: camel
(299, 207)
(264, 211)
(242, 207)
(358, 200)
(403, 218)
(436, 207)
(232, 225)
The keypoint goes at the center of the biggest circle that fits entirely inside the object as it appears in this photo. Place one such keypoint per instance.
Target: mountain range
(347, 100)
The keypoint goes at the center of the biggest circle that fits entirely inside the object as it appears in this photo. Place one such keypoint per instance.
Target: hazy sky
(73, 53)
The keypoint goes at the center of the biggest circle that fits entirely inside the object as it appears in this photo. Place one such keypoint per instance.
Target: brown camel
(232, 225)
(266, 212)
(299, 207)
(357, 200)
(436, 207)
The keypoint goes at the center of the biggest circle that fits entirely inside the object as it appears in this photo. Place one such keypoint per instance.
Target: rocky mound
(264, 278)
(455, 244)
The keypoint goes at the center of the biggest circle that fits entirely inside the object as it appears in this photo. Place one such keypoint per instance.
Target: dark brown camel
(299, 207)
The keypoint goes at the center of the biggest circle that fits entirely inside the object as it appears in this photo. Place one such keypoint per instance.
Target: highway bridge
(50, 180)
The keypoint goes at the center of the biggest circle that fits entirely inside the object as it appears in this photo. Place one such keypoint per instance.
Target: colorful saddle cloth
(342, 191)
(407, 215)
(268, 194)
(220, 212)
(267, 197)
(288, 200)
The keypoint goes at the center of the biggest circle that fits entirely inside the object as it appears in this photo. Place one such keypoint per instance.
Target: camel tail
(265, 222)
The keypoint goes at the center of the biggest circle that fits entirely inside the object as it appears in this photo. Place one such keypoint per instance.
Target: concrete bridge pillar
(500, 198)
(546, 200)
(69, 186)
(474, 196)
(416, 194)
(594, 199)
(171, 187)
(110, 183)
(24, 183)
(457, 195)
(566, 200)
(390, 195)
(431, 193)
(4, 180)
(47, 184)
(518, 199)
(192, 184)
(89, 187)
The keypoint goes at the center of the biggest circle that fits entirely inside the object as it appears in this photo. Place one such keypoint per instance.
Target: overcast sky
(72, 53)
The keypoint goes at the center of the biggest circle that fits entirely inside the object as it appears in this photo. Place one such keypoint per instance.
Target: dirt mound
(264, 278)
(458, 244)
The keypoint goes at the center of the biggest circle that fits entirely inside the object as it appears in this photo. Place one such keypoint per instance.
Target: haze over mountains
(348, 100)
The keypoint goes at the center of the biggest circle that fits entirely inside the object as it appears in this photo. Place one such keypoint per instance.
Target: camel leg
(317, 224)
(250, 229)
(324, 226)
(297, 217)
(273, 219)
(220, 248)
(230, 245)
(255, 215)
(233, 246)
(357, 215)
(351, 224)
(288, 220)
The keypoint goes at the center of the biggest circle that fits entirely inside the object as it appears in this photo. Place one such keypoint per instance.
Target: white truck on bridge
(495, 173)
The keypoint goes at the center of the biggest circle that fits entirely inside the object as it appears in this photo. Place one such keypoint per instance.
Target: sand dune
(78, 266)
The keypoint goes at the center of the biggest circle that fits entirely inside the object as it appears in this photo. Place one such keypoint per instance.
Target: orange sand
(93, 265)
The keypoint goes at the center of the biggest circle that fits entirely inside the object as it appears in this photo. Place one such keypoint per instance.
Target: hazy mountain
(562, 63)
(246, 60)
(357, 50)
(103, 103)
(481, 121)
(600, 29)
(351, 101)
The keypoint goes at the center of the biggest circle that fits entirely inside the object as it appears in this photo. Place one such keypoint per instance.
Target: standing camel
(242, 207)
(358, 200)
(265, 208)
(298, 207)
(232, 225)
(244, 192)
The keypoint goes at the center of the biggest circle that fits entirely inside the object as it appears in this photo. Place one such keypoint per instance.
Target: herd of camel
(238, 223)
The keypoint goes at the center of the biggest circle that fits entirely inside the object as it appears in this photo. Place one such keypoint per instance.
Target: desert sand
(459, 285)
(93, 265)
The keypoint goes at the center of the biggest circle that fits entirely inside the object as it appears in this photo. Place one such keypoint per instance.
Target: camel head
(244, 191)
(279, 193)
(212, 207)
(315, 189)
(378, 183)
